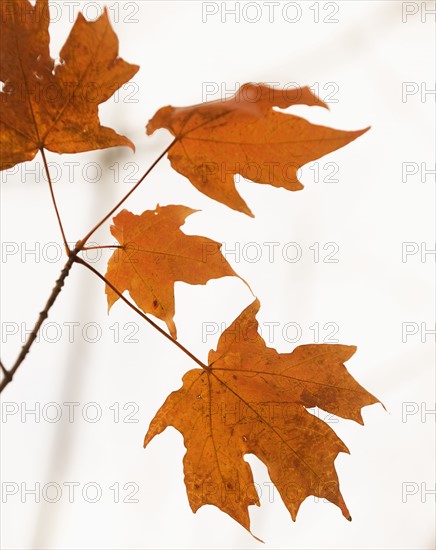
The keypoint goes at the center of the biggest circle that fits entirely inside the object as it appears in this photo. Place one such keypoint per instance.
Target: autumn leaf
(245, 135)
(51, 105)
(252, 399)
(155, 254)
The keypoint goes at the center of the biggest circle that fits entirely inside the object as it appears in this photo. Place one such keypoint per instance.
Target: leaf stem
(73, 258)
(127, 195)
(8, 374)
(47, 171)
(142, 314)
(103, 246)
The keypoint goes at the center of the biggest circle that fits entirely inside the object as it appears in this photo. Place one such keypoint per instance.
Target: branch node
(5, 371)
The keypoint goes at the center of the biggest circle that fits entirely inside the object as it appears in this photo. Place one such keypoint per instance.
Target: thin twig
(137, 184)
(142, 314)
(72, 258)
(8, 374)
(47, 171)
(103, 246)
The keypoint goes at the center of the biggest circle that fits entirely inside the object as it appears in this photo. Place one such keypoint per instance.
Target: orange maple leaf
(252, 399)
(245, 135)
(155, 254)
(55, 106)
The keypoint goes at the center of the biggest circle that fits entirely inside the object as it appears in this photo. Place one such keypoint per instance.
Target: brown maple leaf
(55, 106)
(245, 135)
(155, 254)
(252, 399)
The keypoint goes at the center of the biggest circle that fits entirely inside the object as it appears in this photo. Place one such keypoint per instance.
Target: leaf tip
(364, 130)
(352, 349)
(257, 538)
(129, 143)
(109, 301)
(321, 103)
(383, 405)
(172, 328)
(244, 209)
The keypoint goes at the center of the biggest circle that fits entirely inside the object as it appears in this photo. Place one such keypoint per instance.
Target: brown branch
(8, 374)
(142, 314)
(72, 258)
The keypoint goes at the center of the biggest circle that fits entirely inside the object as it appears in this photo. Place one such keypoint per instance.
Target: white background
(367, 55)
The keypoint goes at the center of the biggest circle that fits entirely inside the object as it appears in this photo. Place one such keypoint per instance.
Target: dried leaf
(55, 106)
(245, 135)
(155, 254)
(252, 399)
